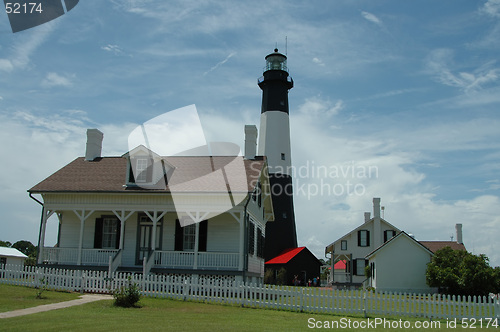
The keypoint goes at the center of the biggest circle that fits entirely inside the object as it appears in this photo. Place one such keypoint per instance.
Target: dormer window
(147, 169)
(141, 170)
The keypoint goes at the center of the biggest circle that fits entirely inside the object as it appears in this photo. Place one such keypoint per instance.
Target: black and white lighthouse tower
(274, 143)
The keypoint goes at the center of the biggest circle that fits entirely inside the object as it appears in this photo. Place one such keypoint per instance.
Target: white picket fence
(228, 290)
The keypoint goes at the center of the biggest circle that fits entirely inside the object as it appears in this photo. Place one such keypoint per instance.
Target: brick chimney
(458, 228)
(250, 141)
(94, 144)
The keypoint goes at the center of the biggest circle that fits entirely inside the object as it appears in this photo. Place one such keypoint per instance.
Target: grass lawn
(18, 297)
(173, 315)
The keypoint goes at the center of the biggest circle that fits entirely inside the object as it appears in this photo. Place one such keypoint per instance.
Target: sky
(394, 99)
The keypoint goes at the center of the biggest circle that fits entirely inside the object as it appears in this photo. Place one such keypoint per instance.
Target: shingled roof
(436, 245)
(108, 174)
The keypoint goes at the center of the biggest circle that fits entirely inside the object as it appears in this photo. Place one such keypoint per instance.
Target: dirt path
(87, 298)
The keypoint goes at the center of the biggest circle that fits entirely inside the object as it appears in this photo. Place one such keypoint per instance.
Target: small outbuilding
(300, 265)
(399, 265)
(11, 256)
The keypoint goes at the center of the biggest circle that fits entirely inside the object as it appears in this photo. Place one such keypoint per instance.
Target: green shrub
(127, 296)
(42, 287)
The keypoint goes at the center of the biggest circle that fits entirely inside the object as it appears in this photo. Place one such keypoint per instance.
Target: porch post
(45, 215)
(82, 218)
(332, 266)
(242, 241)
(153, 233)
(122, 217)
(196, 239)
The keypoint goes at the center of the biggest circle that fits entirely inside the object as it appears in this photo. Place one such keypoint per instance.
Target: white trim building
(399, 265)
(180, 215)
(11, 256)
(355, 245)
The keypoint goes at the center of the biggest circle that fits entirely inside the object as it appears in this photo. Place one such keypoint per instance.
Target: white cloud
(318, 61)
(54, 79)
(492, 8)
(6, 65)
(220, 63)
(317, 107)
(372, 18)
(438, 64)
(112, 48)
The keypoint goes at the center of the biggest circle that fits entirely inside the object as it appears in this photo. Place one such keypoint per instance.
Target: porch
(162, 259)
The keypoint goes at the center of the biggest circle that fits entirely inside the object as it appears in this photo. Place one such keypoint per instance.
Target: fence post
(364, 303)
(82, 282)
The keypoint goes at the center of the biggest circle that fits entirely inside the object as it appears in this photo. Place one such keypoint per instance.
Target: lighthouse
(274, 143)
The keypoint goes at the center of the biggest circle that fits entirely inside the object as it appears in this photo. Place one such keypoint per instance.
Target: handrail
(148, 262)
(115, 261)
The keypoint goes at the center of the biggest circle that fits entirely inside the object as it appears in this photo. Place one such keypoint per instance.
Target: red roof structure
(340, 265)
(285, 256)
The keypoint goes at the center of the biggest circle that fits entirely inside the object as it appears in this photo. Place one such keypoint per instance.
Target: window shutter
(202, 240)
(259, 198)
(118, 225)
(355, 266)
(131, 178)
(98, 233)
(251, 238)
(367, 238)
(179, 236)
(359, 238)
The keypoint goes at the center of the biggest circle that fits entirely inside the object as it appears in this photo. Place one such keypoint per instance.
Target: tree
(27, 248)
(458, 272)
(5, 243)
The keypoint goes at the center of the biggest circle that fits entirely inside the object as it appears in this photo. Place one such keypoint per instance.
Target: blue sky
(410, 88)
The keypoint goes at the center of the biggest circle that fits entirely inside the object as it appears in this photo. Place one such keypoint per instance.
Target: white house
(399, 265)
(11, 256)
(144, 212)
(355, 245)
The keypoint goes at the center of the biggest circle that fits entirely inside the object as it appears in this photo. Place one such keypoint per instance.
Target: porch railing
(342, 277)
(205, 260)
(69, 256)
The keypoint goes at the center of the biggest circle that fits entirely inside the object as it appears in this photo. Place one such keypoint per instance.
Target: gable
(365, 225)
(389, 245)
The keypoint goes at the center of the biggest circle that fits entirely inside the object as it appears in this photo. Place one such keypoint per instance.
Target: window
(359, 266)
(107, 233)
(388, 235)
(343, 245)
(282, 156)
(363, 238)
(185, 237)
(141, 170)
(3, 260)
(189, 237)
